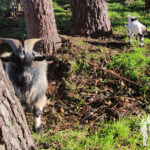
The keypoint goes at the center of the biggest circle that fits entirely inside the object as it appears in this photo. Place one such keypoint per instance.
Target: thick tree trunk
(147, 4)
(90, 18)
(14, 132)
(40, 22)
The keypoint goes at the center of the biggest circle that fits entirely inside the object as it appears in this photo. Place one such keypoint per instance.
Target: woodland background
(99, 86)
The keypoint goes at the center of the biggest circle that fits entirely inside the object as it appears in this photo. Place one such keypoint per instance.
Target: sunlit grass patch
(122, 134)
(132, 64)
(63, 16)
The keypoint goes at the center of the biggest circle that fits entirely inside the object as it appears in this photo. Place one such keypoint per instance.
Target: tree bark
(40, 22)
(14, 131)
(90, 18)
(147, 4)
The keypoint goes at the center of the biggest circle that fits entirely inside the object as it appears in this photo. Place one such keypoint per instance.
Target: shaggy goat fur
(27, 71)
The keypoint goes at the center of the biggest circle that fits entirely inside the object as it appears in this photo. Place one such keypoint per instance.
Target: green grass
(62, 15)
(123, 134)
(81, 67)
(132, 62)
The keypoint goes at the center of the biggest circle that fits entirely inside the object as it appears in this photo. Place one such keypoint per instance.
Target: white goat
(136, 28)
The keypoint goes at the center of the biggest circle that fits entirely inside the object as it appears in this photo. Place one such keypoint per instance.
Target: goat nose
(26, 78)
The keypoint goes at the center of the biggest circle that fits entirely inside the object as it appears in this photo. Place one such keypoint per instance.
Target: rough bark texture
(40, 22)
(147, 4)
(14, 132)
(90, 18)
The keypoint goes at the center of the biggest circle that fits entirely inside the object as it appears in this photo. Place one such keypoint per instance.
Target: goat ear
(5, 48)
(6, 59)
(39, 58)
(133, 19)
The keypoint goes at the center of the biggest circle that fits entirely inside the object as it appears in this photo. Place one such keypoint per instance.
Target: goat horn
(14, 43)
(29, 44)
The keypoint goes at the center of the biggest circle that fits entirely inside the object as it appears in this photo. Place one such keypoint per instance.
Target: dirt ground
(78, 104)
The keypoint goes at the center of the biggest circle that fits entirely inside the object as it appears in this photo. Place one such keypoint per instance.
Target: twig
(117, 97)
(123, 78)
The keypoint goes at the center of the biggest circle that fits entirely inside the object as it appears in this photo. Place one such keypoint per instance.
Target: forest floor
(82, 90)
(93, 84)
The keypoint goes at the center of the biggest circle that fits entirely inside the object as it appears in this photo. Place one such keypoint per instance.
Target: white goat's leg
(136, 36)
(37, 123)
(39, 105)
(130, 36)
(141, 41)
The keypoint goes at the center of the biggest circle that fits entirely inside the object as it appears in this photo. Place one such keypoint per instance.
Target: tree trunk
(147, 4)
(90, 18)
(14, 132)
(40, 22)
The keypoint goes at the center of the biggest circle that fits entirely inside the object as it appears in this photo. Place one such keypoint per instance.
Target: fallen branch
(117, 97)
(122, 78)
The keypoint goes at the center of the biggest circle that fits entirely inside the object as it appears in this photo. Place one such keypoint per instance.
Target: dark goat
(27, 71)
